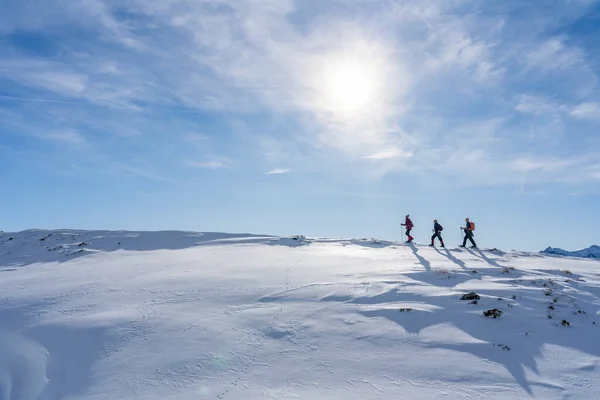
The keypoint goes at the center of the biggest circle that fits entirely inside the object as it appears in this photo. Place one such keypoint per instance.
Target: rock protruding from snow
(493, 313)
(293, 241)
(470, 296)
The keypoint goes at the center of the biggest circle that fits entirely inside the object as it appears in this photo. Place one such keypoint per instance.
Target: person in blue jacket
(437, 233)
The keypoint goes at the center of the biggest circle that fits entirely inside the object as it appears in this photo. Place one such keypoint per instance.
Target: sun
(349, 85)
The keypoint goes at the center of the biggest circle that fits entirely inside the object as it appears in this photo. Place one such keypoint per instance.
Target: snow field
(184, 315)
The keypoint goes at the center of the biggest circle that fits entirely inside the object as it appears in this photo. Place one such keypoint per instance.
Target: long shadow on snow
(422, 260)
(449, 255)
(529, 314)
(481, 254)
(508, 330)
(443, 278)
(451, 278)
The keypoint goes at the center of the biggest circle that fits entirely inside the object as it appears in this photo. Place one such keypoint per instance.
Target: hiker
(437, 233)
(468, 228)
(409, 225)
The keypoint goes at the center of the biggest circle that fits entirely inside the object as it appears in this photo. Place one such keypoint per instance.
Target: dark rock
(493, 313)
(565, 323)
(470, 296)
(405, 309)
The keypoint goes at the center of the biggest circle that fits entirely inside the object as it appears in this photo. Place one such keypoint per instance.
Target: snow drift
(185, 315)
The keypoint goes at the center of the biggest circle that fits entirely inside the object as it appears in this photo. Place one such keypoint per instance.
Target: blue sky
(328, 118)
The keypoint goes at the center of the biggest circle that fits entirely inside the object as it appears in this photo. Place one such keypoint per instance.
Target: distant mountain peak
(591, 252)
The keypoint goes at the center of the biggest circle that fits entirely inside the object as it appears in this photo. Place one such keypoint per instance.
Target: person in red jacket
(409, 225)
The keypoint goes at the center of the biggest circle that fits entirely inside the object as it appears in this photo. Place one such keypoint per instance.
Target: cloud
(554, 53)
(196, 137)
(214, 165)
(278, 171)
(536, 105)
(68, 137)
(384, 155)
(463, 89)
(586, 111)
(129, 170)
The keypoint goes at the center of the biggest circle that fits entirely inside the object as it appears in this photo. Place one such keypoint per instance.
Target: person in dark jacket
(437, 233)
(409, 225)
(468, 234)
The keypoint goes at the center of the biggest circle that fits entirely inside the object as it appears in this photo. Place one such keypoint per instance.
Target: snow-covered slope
(183, 315)
(590, 252)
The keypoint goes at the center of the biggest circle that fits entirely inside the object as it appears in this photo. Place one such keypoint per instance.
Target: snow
(185, 315)
(590, 252)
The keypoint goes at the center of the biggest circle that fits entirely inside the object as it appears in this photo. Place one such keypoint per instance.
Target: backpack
(441, 228)
(472, 225)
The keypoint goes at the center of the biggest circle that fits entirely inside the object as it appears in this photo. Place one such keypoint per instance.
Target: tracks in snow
(261, 338)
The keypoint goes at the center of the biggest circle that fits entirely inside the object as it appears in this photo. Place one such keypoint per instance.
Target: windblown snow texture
(185, 315)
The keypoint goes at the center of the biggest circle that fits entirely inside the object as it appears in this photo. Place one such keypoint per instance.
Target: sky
(322, 118)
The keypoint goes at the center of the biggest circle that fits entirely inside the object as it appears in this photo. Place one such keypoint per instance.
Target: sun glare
(349, 85)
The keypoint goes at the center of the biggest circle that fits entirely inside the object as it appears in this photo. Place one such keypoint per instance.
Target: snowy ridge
(185, 315)
(590, 252)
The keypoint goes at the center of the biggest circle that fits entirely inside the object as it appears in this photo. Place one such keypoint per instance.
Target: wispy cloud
(214, 165)
(554, 53)
(536, 105)
(384, 155)
(586, 111)
(196, 137)
(68, 137)
(278, 171)
(420, 87)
